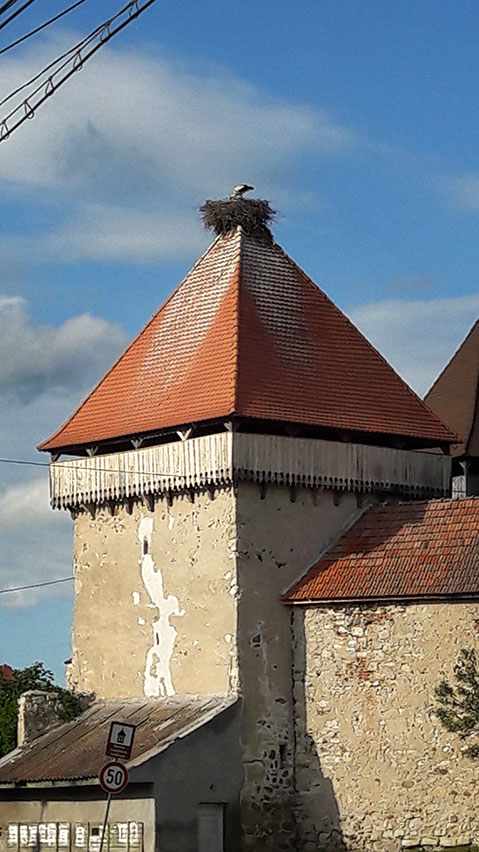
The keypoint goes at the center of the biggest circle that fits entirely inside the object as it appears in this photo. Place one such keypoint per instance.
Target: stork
(239, 191)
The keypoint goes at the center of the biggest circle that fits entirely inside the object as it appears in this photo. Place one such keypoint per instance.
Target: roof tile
(248, 333)
(400, 550)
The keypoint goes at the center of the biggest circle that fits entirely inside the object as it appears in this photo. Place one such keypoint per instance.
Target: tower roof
(248, 334)
(454, 396)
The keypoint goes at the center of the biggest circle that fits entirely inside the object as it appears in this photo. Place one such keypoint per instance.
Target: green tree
(458, 705)
(20, 680)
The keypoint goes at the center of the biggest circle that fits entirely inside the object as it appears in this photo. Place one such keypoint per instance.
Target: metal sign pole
(105, 822)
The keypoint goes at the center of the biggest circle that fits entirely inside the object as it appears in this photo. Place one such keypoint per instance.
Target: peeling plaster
(157, 676)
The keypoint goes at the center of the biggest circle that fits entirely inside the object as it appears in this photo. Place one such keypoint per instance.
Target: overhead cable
(94, 468)
(15, 14)
(42, 26)
(6, 6)
(73, 50)
(36, 585)
(103, 34)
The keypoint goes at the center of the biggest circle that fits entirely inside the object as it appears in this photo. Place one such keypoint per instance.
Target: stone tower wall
(374, 768)
(155, 598)
(186, 598)
(280, 533)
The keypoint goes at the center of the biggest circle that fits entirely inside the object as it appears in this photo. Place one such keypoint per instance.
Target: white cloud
(36, 544)
(133, 138)
(39, 358)
(417, 337)
(44, 373)
(462, 190)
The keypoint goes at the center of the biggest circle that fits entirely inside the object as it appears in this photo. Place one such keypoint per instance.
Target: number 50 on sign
(113, 777)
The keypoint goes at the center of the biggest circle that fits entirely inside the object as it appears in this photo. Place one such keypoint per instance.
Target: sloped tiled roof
(400, 550)
(248, 333)
(454, 396)
(76, 750)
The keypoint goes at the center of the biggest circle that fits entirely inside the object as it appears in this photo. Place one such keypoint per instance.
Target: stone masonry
(184, 597)
(374, 769)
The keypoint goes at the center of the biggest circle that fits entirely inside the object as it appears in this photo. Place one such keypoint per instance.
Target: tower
(241, 432)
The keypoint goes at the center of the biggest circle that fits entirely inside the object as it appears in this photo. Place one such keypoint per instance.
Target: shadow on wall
(317, 815)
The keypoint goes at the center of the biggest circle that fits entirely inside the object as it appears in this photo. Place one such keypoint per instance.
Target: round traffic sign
(113, 777)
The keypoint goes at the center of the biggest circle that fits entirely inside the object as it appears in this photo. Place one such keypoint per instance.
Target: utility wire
(94, 468)
(7, 6)
(76, 47)
(15, 14)
(36, 585)
(42, 26)
(104, 33)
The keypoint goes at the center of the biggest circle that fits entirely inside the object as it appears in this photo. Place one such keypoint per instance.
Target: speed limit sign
(113, 777)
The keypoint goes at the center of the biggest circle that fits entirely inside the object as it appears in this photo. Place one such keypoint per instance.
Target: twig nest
(253, 214)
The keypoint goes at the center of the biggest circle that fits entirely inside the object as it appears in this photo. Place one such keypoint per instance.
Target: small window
(210, 828)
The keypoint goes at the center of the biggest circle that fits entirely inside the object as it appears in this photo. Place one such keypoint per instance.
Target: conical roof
(454, 395)
(247, 333)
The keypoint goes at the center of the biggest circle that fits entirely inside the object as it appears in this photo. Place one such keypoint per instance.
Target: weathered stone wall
(281, 532)
(374, 769)
(186, 599)
(155, 598)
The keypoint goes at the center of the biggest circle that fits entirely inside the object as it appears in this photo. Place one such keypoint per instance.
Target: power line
(104, 33)
(36, 585)
(42, 26)
(21, 461)
(93, 468)
(15, 14)
(7, 6)
(84, 41)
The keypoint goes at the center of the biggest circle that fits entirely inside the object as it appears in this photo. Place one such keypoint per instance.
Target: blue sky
(358, 121)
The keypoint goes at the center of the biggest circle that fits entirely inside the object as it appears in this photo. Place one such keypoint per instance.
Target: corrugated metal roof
(247, 333)
(400, 550)
(76, 750)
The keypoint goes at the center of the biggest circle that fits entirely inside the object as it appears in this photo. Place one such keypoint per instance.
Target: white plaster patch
(157, 677)
(141, 620)
(136, 598)
(171, 522)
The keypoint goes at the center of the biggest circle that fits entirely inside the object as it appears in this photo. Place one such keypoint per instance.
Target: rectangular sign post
(120, 740)
(119, 746)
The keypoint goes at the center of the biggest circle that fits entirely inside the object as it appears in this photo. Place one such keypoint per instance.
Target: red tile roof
(6, 671)
(454, 396)
(400, 550)
(248, 333)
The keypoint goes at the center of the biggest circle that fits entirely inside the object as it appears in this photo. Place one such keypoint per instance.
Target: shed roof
(76, 750)
(454, 396)
(400, 551)
(247, 333)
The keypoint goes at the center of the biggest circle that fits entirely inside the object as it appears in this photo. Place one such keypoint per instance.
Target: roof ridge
(311, 283)
(239, 274)
(136, 337)
(475, 413)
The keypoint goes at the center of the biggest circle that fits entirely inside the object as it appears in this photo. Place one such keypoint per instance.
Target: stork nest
(253, 214)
